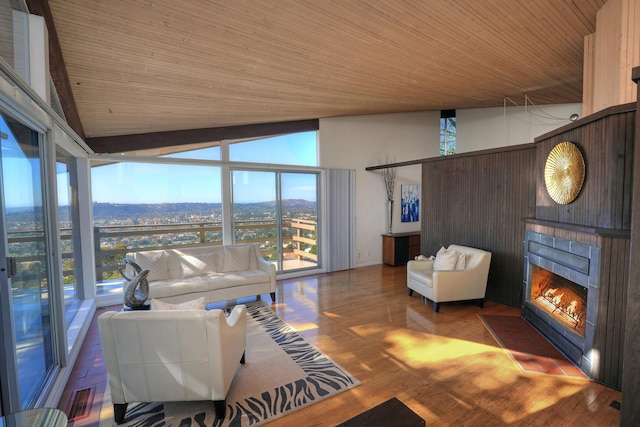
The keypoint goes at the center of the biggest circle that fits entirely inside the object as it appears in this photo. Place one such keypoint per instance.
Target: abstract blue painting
(410, 208)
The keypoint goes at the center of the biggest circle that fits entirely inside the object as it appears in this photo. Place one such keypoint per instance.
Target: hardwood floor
(446, 367)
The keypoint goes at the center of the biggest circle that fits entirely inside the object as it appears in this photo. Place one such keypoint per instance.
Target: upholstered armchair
(464, 279)
(168, 355)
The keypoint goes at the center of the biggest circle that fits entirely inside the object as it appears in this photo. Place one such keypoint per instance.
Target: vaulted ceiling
(151, 66)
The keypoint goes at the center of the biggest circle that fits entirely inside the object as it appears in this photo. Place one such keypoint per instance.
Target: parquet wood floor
(446, 366)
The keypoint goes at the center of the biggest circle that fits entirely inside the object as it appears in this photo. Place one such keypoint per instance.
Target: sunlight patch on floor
(447, 359)
(301, 327)
(425, 349)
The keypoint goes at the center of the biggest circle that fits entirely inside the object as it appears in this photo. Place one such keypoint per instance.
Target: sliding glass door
(27, 350)
(254, 211)
(299, 225)
(66, 180)
(277, 210)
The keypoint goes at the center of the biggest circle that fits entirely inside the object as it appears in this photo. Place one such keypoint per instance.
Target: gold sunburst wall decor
(564, 173)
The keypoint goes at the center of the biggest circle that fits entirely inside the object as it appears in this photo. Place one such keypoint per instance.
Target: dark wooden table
(390, 413)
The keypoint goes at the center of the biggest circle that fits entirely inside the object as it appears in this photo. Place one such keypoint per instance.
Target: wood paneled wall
(588, 75)
(480, 199)
(612, 302)
(601, 216)
(6, 32)
(605, 140)
(609, 56)
(630, 384)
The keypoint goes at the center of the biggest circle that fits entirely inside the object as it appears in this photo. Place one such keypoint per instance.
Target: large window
(205, 153)
(295, 149)
(179, 199)
(147, 205)
(67, 191)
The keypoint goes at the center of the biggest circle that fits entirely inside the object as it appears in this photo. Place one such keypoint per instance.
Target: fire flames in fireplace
(564, 300)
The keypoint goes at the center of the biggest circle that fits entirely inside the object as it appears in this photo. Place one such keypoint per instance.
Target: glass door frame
(10, 400)
(9, 395)
(298, 241)
(278, 206)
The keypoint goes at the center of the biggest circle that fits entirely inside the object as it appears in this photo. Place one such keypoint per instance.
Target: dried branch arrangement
(389, 178)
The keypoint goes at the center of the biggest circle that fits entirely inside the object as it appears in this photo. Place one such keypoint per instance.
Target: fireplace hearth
(561, 293)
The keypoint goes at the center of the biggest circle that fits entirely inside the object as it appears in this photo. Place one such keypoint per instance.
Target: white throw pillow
(445, 260)
(461, 263)
(196, 304)
(156, 264)
(197, 265)
(237, 258)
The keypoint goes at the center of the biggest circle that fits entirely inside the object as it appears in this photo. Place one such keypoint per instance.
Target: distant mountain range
(124, 211)
(121, 211)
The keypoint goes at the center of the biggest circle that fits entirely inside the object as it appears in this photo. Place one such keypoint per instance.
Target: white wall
(361, 141)
(358, 142)
(484, 128)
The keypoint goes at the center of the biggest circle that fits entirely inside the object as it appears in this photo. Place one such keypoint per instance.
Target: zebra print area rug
(283, 373)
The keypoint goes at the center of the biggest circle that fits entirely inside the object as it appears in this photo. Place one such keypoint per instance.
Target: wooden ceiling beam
(57, 67)
(134, 142)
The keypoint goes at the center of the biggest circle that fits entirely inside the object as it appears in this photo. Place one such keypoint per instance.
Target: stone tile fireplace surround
(578, 263)
(592, 259)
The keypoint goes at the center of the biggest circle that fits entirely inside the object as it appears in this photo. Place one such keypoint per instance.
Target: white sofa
(469, 283)
(218, 273)
(171, 356)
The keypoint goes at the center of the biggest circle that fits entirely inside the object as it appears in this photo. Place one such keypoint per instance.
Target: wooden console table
(399, 248)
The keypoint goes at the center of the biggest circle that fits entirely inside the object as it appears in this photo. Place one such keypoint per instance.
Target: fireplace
(561, 294)
(563, 300)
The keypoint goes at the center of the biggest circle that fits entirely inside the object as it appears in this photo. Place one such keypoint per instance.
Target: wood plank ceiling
(140, 67)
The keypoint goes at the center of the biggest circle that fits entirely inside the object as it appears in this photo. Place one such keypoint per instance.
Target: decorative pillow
(197, 265)
(445, 260)
(236, 258)
(197, 304)
(156, 264)
(461, 263)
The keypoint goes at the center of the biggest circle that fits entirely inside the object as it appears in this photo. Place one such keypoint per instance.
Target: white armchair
(168, 356)
(469, 283)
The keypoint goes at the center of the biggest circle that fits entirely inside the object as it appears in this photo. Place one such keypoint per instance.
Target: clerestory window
(447, 132)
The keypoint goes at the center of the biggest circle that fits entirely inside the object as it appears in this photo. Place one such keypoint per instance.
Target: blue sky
(157, 183)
